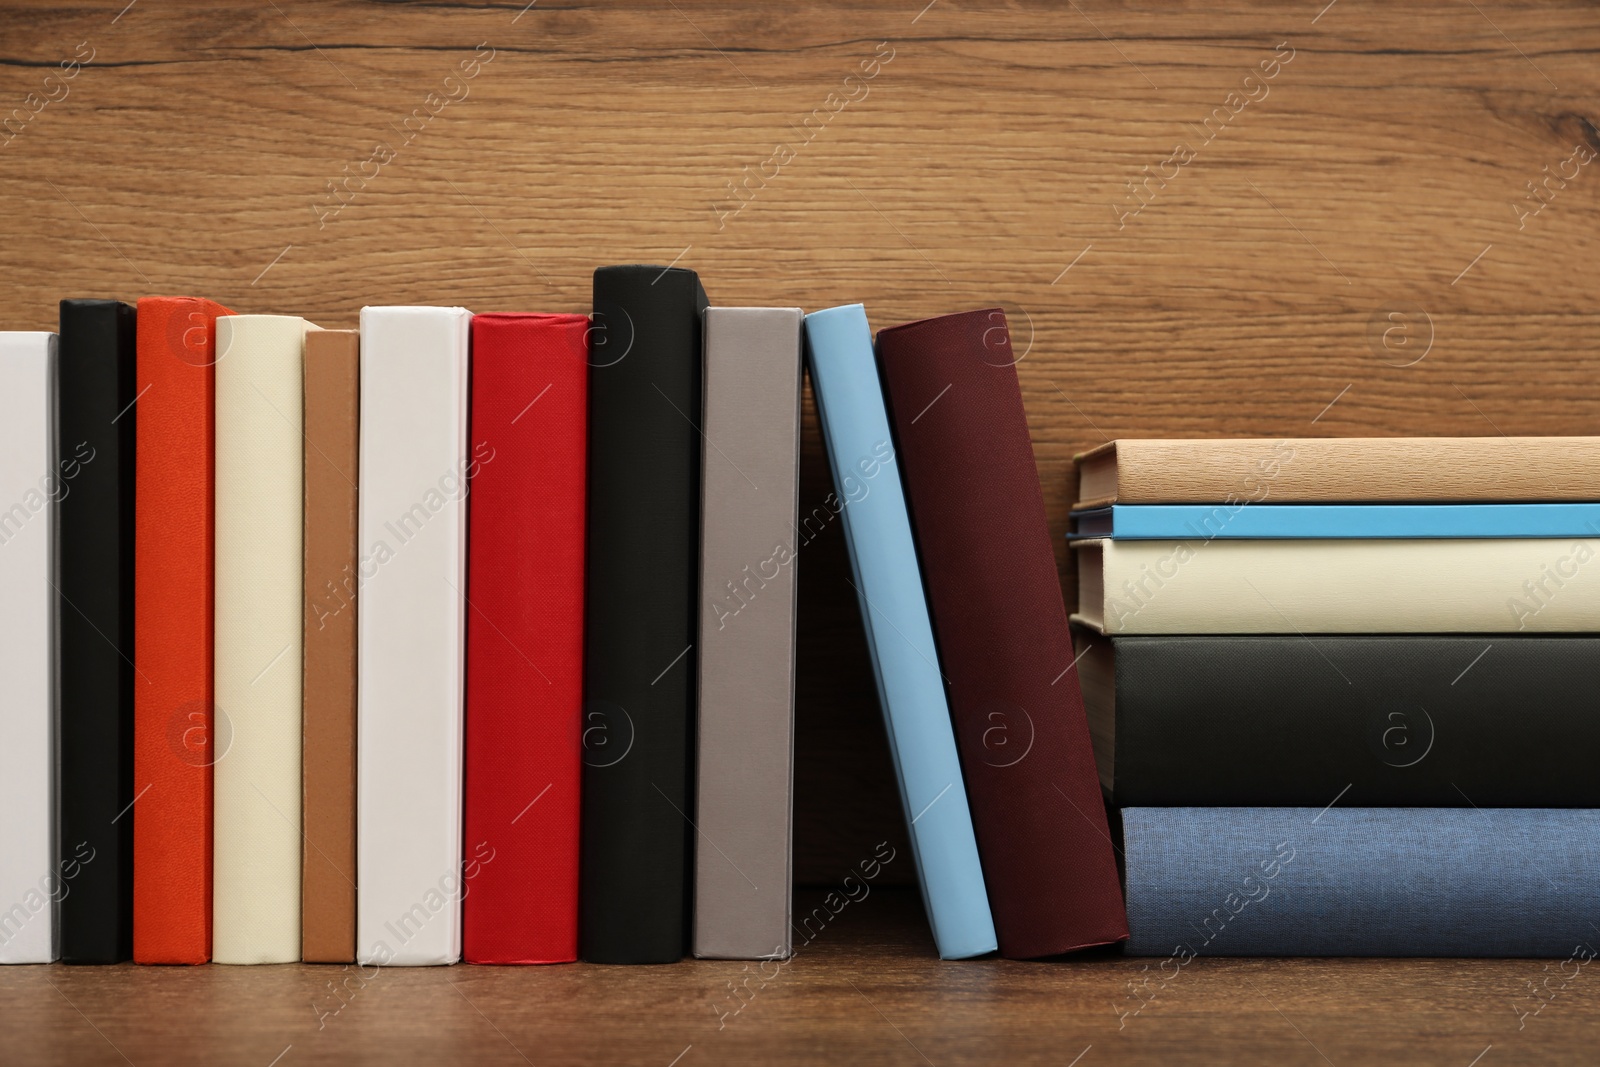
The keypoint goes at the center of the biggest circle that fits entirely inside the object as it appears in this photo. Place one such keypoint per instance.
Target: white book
(410, 657)
(1503, 585)
(31, 884)
(258, 607)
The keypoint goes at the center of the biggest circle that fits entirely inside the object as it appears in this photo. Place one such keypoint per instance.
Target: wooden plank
(865, 989)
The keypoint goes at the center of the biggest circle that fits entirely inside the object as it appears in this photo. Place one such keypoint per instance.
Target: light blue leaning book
(894, 611)
(1520, 882)
(1202, 522)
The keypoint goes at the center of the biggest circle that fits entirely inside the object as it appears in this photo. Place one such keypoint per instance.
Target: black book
(640, 613)
(1372, 721)
(94, 564)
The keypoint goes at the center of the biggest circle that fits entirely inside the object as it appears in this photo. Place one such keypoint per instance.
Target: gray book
(749, 485)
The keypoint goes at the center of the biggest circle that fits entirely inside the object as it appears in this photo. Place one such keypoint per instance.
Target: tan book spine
(1352, 469)
(328, 890)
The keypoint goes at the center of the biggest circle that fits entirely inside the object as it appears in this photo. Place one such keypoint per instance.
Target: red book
(1001, 628)
(525, 557)
(175, 741)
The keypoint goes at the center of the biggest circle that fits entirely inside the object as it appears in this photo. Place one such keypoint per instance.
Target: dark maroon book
(987, 560)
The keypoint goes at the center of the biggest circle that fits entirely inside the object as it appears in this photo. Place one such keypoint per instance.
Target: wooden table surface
(867, 989)
(1241, 219)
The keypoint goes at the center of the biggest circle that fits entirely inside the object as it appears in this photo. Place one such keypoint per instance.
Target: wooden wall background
(1347, 247)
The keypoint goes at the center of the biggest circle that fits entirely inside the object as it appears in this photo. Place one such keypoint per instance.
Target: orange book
(176, 735)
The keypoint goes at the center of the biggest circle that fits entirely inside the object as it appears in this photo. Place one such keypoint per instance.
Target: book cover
(640, 613)
(332, 584)
(1404, 720)
(1428, 585)
(415, 467)
(1353, 469)
(94, 613)
(1204, 522)
(1337, 881)
(525, 558)
(34, 877)
(894, 613)
(176, 737)
(988, 565)
(259, 606)
(744, 791)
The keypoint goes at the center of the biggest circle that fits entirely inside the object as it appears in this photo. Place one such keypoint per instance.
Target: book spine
(640, 612)
(1203, 522)
(257, 644)
(414, 466)
(1392, 586)
(328, 856)
(1004, 647)
(894, 612)
(32, 875)
(525, 637)
(1335, 470)
(93, 489)
(749, 483)
(1360, 881)
(174, 742)
(1398, 721)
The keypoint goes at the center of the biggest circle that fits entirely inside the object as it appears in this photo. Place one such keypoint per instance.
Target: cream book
(1363, 470)
(255, 886)
(33, 879)
(1505, 585)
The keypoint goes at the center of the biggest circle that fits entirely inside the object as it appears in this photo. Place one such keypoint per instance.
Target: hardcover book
(525, 636)
(1404, 720)
(1241, 520)
(176, 737)
(745, 772)
(414, 471)
(94, 612)
(259, 613)
(894, 612)
(1004, 648)
(1537, 585)
(332, 581)
(640, 613)
(1353, 469)
(33, 876)
(1336, 881)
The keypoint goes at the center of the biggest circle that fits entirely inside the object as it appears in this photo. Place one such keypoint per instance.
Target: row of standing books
(1343, 693)
(290, 703)
(258, 656)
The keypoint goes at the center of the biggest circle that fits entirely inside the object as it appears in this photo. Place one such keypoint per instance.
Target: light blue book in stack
(1203, 522)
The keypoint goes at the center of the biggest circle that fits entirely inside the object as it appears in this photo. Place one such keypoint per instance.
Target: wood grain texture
(866, 989)
(1377, 173)
(1350, 252)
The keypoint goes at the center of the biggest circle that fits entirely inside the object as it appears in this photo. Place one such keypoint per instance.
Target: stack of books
(472, 636)
(1343, 691)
